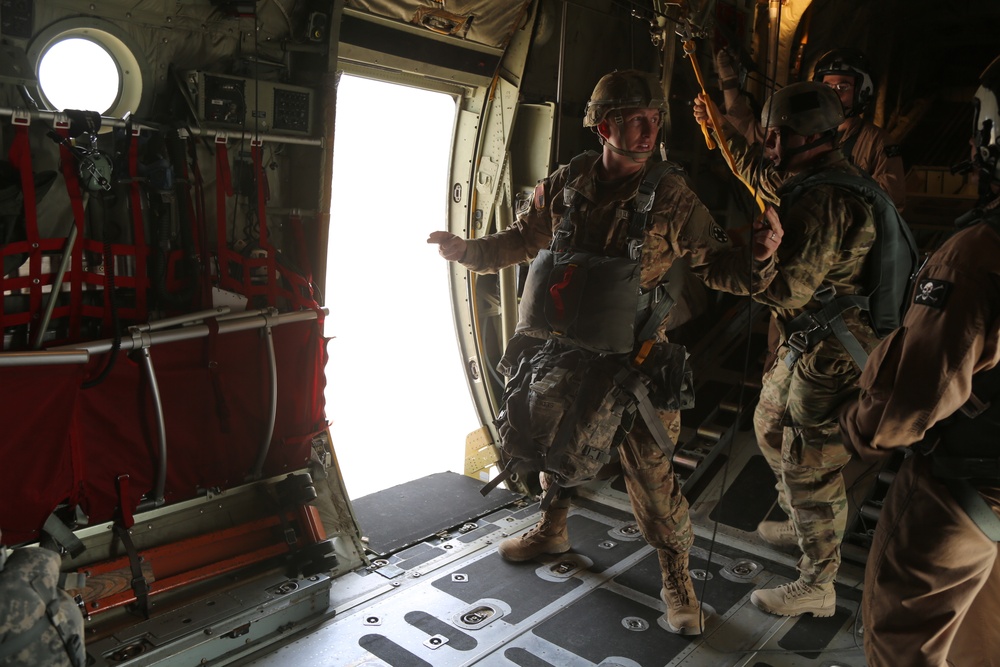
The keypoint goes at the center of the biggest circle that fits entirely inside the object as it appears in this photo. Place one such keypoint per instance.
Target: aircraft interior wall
(161, 374)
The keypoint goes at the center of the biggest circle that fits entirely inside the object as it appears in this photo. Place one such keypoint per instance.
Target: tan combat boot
(795, 598)
(549, 536)
(778, 533)
(683, 615)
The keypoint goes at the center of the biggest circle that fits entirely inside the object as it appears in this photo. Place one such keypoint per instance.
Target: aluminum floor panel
(453, 601)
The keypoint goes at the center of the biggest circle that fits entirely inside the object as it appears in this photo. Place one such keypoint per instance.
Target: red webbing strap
(295, 222)
(271, 286)
(212, 364)
(78, 459)
(138, 228)
(20, 157)
(124, 489)
(197, 208)
(75, 273)
(303, 295)
(140, 587)
(223, 189)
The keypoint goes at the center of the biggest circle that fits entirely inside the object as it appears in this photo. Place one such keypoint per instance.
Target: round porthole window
(88, 64)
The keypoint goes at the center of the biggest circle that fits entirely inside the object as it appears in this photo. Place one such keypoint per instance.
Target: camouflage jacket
(828, 234)
(679, 225)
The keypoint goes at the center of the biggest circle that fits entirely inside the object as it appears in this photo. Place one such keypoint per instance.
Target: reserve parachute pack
(40, 624)
(587, 298)
(888, 274)
(573, 391)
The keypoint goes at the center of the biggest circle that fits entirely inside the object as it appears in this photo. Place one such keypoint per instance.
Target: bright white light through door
(396, 392)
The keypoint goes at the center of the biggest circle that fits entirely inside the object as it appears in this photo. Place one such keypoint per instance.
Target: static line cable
(687, 40)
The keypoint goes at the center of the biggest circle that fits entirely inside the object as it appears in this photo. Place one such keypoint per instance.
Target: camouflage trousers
(799, 434)
(661, 510)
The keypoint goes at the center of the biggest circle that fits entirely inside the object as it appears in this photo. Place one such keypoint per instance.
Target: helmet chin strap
(792, 152)
(634, 155)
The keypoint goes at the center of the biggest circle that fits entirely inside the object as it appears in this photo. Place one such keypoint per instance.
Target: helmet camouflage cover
(805, 108)
(624, 89)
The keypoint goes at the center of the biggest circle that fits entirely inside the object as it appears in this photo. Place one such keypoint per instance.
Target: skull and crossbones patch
(932, 293)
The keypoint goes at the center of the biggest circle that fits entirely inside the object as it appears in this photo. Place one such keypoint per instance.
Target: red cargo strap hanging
(197, 204)
(223, 190)
(270, 261)
(68, 163)
(20, 157)
(138, 227)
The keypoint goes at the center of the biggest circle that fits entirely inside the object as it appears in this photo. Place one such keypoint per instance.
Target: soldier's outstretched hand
(767, 233)
(451, 247)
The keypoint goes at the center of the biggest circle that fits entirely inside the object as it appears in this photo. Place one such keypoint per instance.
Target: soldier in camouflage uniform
(626, 110)
(40, 623)
(865, 144)
(830, 231)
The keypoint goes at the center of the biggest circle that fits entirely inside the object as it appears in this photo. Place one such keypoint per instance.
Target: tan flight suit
(679, 225)
(932, 583)
(828, 234)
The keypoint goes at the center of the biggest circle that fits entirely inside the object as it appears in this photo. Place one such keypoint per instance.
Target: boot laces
(796, 589)
(678, 589)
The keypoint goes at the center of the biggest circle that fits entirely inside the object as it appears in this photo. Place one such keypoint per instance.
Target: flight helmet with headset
(853, 63)
(619, 90)
(986, 131)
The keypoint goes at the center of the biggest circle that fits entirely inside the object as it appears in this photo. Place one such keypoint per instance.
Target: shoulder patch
(932, 293)
(893, 150)
(539, 196)
(719, 234)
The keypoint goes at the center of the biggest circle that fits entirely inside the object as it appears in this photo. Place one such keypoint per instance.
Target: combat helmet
(849, 62)
(624, 89)
(986, 128)
(805, 107)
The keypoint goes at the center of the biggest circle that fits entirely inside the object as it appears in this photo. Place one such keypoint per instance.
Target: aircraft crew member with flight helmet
(626, 110)
(848, 72)
(932, 584)
(829, 231)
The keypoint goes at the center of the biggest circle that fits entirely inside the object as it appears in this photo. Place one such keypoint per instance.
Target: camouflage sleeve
(762, 177)
(822, 231)
(531, 231)
(683, 226)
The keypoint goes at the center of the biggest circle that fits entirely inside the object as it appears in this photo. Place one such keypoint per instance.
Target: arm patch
(539, 196)
(893, 150)
(932, 293)
(719, 234)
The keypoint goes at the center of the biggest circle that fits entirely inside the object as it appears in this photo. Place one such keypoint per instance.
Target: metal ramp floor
(451, 600)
